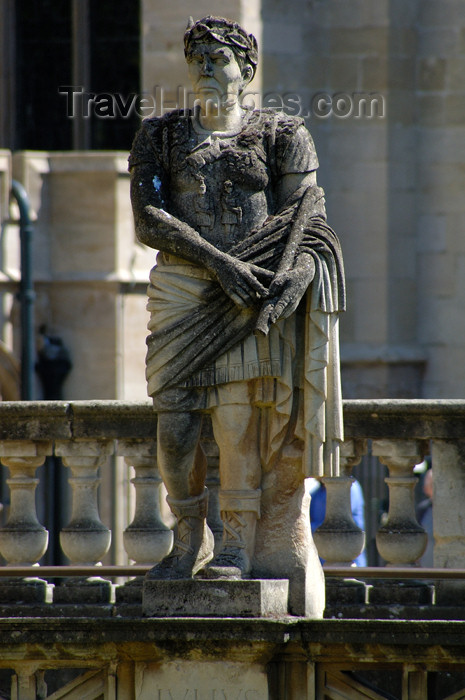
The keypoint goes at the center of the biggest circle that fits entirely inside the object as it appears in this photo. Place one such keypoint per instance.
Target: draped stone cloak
(198, 336)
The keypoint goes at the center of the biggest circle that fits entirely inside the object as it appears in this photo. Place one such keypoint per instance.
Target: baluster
(338, 539)
(85, 540)
(146, 539)
(400, 540)
(23, 540)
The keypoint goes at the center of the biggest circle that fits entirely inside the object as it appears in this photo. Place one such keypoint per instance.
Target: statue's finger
(258, 287)
(278, 310)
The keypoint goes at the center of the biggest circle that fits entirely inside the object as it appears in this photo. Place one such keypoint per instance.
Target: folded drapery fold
(194, 325)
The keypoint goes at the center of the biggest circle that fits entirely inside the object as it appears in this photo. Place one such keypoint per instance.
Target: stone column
(415, 684)
(448, 458)
(439, 105)
(400, 540)
(291, 675)
(28, 683)
(23, 540)
(85, 540)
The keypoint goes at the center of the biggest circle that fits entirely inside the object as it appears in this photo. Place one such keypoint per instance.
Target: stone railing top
(405, 418)
(92, 420)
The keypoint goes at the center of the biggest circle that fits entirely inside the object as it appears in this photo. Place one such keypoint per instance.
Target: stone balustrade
(86, 434)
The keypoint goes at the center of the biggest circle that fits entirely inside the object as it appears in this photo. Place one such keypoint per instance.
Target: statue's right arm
(157, 228)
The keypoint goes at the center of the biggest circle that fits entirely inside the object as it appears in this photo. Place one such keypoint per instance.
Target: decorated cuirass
(224, 184)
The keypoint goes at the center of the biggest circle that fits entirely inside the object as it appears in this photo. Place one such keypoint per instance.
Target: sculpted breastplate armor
(219, 183)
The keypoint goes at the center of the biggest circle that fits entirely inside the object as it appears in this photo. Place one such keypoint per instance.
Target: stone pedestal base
(344, 591)
(386, 592)
(92, 591)
(450, 593)
(128, 598)
(216, 598)
(28, 591)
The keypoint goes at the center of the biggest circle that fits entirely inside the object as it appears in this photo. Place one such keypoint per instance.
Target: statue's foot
(231, 563)
(180, 565)
(171, 568)
(193, 544)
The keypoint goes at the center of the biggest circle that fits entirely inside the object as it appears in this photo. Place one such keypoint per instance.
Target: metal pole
(357, 572)
(26, 292)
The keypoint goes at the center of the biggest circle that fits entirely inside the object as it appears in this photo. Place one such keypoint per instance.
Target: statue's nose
(207, 66)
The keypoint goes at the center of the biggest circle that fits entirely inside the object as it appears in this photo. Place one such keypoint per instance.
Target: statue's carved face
(215, 72)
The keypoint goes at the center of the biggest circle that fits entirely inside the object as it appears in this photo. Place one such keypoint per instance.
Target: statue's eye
(220, 58)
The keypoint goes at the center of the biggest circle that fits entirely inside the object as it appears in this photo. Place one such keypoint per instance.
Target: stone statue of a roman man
(244, 303)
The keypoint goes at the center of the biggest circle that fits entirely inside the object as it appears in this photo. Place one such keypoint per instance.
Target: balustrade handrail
(108, 419)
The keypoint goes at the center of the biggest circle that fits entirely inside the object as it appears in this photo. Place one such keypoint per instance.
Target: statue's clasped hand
(241, 285)
(285, 293)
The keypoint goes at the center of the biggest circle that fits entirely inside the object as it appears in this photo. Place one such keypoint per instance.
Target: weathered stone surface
(35, 420)
(394, 611)
(89, 591)
(229, 197)
(400, 593)
(216, 598)
(128, 598)
(27, 591)
(188, 679)
(344, 592)
(380, 418)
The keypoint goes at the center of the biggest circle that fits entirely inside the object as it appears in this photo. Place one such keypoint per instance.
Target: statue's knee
(178, 435)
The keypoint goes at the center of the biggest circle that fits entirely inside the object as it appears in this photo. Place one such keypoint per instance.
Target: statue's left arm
(297, 163)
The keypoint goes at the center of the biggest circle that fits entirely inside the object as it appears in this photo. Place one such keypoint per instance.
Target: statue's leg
(181, 460)
(182, 467)
(235, 427)
(284, 544)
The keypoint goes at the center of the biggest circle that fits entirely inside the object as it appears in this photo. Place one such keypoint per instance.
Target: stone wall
(393, 184)
(90, 274)
(149, 659)
(440, 222)
(162, 25)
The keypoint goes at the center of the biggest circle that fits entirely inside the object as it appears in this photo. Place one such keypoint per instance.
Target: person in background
(318, 509)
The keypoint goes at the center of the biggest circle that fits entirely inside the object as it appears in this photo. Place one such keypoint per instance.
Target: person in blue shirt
(318, 509)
